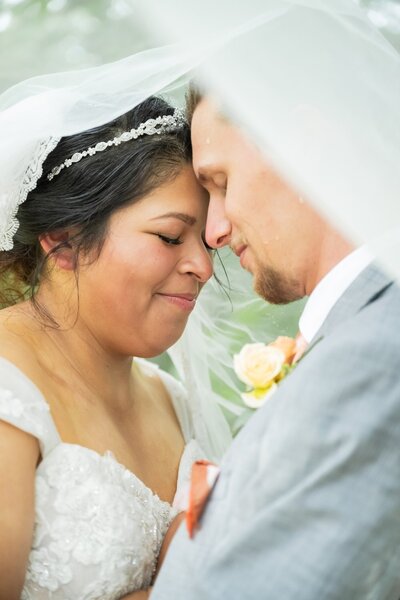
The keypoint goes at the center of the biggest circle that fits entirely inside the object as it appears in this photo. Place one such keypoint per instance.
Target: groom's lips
(240, 251)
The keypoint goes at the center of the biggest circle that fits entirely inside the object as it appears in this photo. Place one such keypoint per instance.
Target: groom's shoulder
(377, 321)
(367, 339)
(379, 314)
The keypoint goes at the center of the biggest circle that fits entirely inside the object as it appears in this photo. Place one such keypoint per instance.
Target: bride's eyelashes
(176, 241)
(170, 241)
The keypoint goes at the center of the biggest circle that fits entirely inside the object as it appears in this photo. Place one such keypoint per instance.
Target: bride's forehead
(182, 195)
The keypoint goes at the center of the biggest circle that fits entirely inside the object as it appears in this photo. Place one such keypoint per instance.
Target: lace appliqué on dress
(97, 519)
(9, 405)
(28, 415)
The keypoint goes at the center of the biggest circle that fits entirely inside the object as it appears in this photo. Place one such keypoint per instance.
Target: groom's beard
(275, 287)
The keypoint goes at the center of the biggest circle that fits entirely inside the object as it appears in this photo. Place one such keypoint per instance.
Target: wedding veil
(317, 86)
(312, 82)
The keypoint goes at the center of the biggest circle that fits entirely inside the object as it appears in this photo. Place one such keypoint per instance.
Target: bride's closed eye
(176, 241)
(170, 241)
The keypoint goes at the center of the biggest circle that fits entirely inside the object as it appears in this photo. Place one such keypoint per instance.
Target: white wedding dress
(98, 528)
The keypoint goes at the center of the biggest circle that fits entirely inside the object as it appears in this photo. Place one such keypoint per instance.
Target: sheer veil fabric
(317, 86)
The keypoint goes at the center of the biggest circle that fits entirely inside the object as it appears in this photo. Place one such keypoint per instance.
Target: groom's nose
(218, 226)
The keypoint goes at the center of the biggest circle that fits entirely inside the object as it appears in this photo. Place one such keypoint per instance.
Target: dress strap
(23, 405)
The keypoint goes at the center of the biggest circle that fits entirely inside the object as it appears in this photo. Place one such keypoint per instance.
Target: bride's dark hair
(84, 196)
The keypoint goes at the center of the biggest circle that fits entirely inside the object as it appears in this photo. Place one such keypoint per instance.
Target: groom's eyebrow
(188, 219)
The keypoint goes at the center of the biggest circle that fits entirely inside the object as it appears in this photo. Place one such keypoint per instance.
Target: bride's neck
(70, 342)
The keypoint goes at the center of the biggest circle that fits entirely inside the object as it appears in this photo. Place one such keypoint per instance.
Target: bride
(106, 244)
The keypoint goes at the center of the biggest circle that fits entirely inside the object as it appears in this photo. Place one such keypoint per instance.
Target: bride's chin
(163, 345)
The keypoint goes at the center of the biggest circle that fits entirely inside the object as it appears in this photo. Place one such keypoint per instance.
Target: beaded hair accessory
(9, 203)
(158, 125)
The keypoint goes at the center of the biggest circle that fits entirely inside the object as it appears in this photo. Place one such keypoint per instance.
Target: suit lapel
(368, 286)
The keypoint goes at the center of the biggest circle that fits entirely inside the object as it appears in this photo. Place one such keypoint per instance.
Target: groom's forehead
(208, 115)
(219, 145)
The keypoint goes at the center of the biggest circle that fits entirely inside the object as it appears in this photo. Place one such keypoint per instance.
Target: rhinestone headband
(158, 125)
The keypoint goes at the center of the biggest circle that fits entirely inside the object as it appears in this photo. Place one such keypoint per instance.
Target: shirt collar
(330, 288)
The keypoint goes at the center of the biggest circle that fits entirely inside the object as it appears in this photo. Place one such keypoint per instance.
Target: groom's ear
(57, 245)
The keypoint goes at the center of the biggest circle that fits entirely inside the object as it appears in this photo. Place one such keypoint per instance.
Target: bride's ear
(57, 243)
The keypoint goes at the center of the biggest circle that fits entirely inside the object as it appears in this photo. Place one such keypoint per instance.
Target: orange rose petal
(301, 347)
(287, 345)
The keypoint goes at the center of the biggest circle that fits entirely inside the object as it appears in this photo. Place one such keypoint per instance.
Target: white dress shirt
(329, 290)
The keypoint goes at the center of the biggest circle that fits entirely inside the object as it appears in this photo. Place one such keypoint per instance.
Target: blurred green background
(42, 36)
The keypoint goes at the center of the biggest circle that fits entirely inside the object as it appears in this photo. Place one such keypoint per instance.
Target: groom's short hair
(194, 95)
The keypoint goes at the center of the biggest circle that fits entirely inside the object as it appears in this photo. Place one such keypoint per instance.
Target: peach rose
(258, 364)
(287, 345)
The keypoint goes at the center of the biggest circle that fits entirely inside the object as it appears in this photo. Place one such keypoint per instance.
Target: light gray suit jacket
(307, 505)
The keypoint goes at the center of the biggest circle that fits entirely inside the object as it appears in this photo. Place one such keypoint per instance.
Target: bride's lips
(183, 301)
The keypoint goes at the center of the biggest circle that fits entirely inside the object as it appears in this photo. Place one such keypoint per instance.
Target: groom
(307, 505)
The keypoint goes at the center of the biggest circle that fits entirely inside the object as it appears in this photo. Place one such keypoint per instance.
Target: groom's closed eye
(220, 181)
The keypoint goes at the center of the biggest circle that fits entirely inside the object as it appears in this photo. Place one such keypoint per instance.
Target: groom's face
(266, 223)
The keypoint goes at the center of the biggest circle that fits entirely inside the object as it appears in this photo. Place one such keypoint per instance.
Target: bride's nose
(218, 227)
(198, 262)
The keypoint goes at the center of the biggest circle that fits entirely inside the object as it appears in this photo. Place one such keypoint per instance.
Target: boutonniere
(262, 366)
